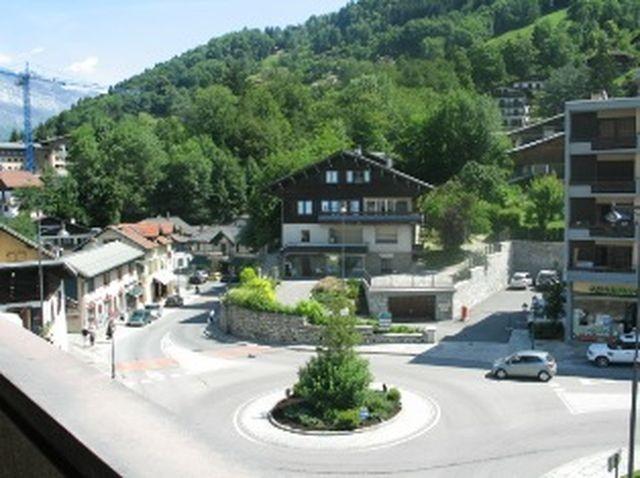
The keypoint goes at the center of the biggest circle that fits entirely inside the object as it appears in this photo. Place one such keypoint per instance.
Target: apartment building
(348, 213)
(514, 107)
(602, 166)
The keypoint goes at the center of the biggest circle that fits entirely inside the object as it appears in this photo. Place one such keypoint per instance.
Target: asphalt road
(487, 428)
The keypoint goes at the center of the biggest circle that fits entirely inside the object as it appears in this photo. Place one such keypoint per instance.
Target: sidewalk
(592, 466)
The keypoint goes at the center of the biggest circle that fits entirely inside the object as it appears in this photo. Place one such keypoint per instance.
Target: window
(332, 206)
(386, 235)
(359, 177)
(305, 235)
(354, 206)
(305, 208)
(90, 285)
(331, 176)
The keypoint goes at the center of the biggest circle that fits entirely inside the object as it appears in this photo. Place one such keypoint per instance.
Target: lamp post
(343, 212)
(615, 217)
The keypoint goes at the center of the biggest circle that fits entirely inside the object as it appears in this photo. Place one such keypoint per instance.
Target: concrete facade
(532, 256)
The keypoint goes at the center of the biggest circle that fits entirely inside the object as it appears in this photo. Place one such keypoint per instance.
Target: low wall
(272, 328)
(485, 280)
(532, 256)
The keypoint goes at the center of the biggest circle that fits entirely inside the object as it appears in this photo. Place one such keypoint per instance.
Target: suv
(618, 352)
(139, 318)
(527, 363)
(546, 278)
(520, 280)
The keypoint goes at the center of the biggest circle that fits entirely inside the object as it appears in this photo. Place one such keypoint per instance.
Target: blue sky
(105, 41)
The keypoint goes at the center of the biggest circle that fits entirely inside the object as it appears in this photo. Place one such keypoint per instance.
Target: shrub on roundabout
(334, 386)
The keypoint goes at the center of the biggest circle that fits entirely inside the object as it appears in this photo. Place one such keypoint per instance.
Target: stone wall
(485, 280)
(531, 256)
(272, 328)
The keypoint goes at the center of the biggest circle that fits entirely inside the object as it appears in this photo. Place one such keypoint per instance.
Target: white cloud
(5, 59)
(86, 66)
(37, 50)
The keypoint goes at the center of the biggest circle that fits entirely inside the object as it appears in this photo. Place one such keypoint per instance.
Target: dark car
(174, 301)
(139, 318)
(197, 279)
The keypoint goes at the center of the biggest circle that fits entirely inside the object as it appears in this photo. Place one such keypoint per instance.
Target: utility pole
(40, 271)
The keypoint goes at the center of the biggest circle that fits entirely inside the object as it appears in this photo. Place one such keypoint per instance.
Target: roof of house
(368, 158)
(18, 179)
(179, 224)
(151, 229)
(16, 145)
(24, 240)
(542, 122)
(102, 258)
(132, 235)
(536, 143)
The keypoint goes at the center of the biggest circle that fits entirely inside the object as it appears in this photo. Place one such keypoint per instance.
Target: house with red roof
(155, 269)
(10, 183)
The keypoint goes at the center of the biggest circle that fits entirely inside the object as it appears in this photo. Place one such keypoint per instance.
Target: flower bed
(380, 406)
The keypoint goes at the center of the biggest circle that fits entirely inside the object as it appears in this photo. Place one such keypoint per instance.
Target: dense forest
(201, 134)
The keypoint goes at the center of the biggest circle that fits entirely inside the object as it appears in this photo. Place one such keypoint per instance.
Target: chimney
(388, 161)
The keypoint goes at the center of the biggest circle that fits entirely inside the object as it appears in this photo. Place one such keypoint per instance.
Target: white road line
(193, 362)
(155, 376)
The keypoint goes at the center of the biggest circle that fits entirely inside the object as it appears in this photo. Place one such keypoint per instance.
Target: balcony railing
(620, 142)
(587, 266)
(370, 216)
(613, 186)
(608, 230)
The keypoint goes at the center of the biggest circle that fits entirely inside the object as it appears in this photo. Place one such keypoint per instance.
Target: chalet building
(22, 264)
(350, 213)
(602, 161)
(514, 107)
(61, 236)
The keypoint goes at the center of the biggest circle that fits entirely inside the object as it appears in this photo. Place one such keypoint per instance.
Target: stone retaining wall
(531, 256)
(485, 280)
(272, 328)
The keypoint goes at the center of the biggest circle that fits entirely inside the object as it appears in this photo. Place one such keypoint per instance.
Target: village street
(480, 427)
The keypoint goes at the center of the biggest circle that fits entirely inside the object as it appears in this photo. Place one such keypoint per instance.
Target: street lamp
(615, 217)
(343, 213)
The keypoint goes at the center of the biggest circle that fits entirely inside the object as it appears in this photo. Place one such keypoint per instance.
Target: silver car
(527, 363)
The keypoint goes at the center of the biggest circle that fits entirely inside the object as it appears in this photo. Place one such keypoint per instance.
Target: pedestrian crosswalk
(180, 363)
(585, 395)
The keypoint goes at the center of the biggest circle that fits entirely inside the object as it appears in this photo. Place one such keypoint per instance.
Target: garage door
(418, 308)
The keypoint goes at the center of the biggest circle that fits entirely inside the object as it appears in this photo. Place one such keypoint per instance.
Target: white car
(604, 354)
(520, 280)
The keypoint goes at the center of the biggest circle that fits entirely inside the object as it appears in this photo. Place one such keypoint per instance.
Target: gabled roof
(542, 122)
(19, 179)
(538, 142)
(178, 223)
(366, 158)
(102, 258)
(132, 235)
(25, 240)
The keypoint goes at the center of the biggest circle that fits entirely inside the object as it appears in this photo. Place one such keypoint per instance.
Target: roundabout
(418, 415)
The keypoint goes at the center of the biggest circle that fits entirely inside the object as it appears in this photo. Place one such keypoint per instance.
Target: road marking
(155, 376)
(193, 362)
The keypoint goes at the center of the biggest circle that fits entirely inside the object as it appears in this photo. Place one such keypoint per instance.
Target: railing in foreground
(59, 417)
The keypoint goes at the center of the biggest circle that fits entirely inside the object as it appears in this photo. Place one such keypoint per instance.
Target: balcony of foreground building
(370, 217)
(60, 417)
(324, 248)
(593, 176)
(605, 143)
(593, 262)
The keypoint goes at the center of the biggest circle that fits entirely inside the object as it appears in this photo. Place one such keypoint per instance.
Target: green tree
(454, 214)
(22, 224)
(460, 130)
(567, 83)
(336, 379)
(489, 70)
(519, 57)
(228, 198)
(546, 196)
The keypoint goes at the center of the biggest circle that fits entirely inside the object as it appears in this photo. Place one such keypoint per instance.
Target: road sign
(364, 413)
(384, 320)
(613, 461)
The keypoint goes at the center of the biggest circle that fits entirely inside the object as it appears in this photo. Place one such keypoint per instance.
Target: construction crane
(24, 80)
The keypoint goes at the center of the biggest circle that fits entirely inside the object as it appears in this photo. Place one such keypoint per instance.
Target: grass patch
(296, 413)
(555, 18)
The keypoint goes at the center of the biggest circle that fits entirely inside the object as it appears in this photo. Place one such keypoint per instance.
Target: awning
(135, 291)
(164, 277)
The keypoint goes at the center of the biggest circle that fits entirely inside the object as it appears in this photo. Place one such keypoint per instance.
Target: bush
(330, 284)
(394, 395)
(347, 419)
(313, 310)
(247, 275)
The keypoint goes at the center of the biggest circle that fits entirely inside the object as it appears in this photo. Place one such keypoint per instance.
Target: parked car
(546, 278)
(197, 279)
(618, 352)
(155, 310)
(139, 318)
(174, 301)
(527, 363)
(520, 280)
